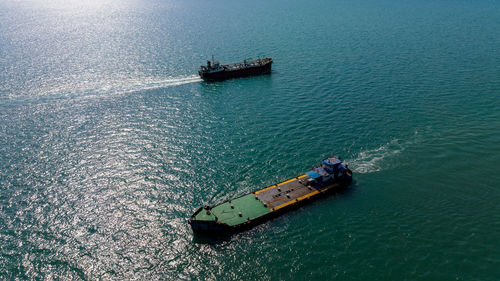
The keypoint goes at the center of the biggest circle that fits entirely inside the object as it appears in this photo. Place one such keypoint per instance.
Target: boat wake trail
(370, 161)
(81, 87)
(149, 84)
(377, 159)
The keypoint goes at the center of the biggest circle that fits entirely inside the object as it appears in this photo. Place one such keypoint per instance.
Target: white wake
(146, 84)
(84, 87)
(384, 156)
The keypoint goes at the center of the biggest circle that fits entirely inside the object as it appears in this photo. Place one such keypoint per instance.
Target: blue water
(109, 141)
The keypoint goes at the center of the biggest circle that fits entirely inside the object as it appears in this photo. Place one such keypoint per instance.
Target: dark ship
(215, 71)
(251, 209)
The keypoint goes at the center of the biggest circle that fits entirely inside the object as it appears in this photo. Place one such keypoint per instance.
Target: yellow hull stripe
(281, 183)
(301, 198)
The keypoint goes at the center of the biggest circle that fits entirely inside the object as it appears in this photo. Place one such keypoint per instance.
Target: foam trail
(370, 161)
(135, 86)
(374, 160)
(88, 88)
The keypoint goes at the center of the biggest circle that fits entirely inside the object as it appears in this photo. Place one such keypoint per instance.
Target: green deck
(248, 205)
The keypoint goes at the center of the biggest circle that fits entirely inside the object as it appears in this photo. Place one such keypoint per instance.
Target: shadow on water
(216, 84)
(211, 240)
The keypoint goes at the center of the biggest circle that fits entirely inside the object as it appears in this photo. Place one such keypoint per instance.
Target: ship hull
(244, 72)
(267, 197)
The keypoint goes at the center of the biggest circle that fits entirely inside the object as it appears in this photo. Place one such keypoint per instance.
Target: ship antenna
(213, 58)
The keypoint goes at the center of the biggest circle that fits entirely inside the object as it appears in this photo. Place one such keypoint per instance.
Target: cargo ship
(251, 209)
(215, 71)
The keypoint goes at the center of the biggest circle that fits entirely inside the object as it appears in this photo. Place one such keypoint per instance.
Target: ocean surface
(109, 141)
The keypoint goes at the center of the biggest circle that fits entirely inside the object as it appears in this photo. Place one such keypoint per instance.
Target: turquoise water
(109, 141)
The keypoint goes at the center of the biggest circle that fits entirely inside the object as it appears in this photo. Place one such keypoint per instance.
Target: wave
(149, 85)
(84, 87)
(377, 159)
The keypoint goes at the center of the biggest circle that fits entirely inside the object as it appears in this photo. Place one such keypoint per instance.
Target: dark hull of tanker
(229, 74)
(211, 228)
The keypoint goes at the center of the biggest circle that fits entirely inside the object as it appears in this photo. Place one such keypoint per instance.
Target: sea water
(109, 141)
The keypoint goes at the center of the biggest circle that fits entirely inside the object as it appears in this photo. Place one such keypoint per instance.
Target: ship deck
(275, 196)
(261, 202)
